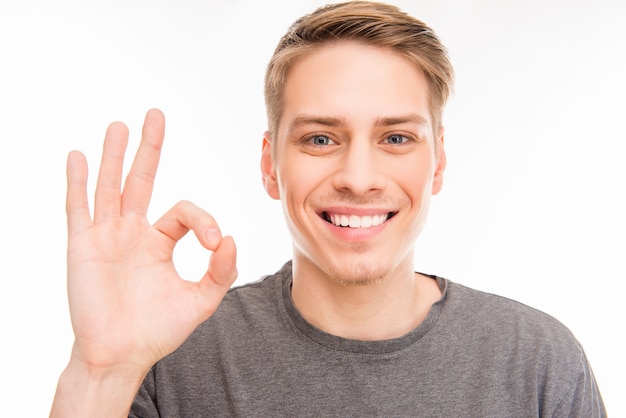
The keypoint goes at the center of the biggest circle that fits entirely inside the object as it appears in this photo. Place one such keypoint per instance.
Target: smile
(355, 221)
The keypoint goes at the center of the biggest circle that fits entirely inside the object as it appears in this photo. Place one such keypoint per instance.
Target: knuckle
(184, 205)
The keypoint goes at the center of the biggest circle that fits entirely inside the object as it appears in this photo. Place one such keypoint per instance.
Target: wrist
(87, 390)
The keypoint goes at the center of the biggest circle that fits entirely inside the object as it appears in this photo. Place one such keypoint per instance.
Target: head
(355, 93)
(374, 24)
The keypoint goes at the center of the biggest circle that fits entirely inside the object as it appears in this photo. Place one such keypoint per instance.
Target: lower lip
(345, 233)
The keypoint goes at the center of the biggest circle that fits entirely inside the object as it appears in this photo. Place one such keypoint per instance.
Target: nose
(360, 169)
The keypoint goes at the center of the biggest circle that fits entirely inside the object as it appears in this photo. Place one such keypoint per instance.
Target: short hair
(371, 23)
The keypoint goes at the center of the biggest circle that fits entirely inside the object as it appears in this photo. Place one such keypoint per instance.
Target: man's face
(355, 162)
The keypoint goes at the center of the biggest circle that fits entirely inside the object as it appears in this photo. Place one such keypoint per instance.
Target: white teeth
(354, 221)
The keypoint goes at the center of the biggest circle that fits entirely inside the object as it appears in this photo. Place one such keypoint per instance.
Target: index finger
(140, 180)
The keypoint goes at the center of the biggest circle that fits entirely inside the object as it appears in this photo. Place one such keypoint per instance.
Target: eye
(321, 140)
(396, 139)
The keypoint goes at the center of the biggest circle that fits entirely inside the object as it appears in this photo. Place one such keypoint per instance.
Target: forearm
(82, 392)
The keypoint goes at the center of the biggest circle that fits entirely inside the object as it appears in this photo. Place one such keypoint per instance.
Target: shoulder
(518, 343)
(257, 295)
(502, 312)
(247, 309)
(509, 326)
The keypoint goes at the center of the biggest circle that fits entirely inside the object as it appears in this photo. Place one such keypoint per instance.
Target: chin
(359, 274)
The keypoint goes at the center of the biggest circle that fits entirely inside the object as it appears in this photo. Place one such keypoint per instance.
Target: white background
(532, 208)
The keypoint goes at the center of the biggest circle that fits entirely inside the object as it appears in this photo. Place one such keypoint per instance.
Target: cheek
(304, 167)
(415, 177)
(297, 181)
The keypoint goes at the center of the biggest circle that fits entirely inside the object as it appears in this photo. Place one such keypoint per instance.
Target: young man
(354, 151)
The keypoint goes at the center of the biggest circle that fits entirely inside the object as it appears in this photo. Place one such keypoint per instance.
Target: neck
(386, 309)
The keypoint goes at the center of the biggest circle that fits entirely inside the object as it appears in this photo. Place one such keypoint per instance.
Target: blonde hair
(371, 23)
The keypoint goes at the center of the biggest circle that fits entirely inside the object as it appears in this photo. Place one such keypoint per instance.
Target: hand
(129, 307)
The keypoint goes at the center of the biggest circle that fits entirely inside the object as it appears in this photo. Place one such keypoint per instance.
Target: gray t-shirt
(475, 355)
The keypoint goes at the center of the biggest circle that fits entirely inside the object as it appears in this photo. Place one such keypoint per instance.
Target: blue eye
(321, 140)
(396, 139)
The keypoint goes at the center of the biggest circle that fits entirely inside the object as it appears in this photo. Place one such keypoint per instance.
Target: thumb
(220, 275)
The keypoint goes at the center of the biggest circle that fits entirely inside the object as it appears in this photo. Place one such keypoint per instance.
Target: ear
(440, 163)
(267, 168)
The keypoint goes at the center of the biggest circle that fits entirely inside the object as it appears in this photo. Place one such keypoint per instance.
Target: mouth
(356, 221)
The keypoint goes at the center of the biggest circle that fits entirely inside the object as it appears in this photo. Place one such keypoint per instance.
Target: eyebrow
(303, 120)
(399, 120)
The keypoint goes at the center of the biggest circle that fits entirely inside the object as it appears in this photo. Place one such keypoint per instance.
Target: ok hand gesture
(129, 307)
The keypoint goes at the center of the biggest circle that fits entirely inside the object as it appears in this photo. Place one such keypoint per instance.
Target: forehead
(355, 82)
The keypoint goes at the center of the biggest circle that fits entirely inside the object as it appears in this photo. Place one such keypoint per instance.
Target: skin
(129, 307)
(373, 154)
(356, 138)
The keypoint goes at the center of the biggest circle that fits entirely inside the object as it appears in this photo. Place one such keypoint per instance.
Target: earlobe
(440, 163)
(267, 168)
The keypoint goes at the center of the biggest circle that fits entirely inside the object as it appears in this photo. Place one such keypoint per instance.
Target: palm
(128, 304)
